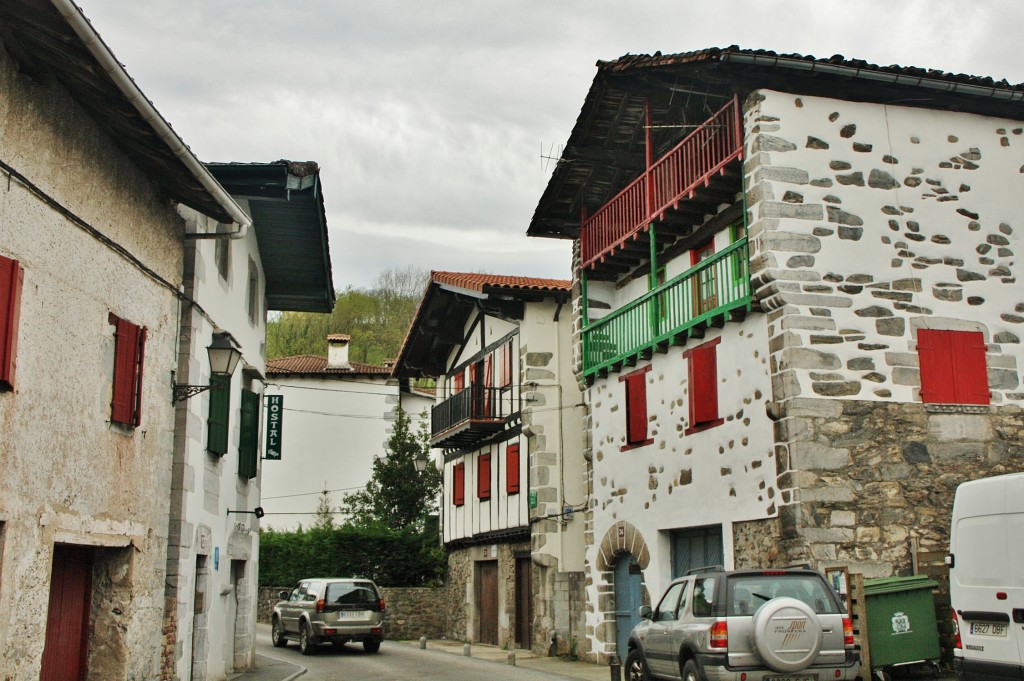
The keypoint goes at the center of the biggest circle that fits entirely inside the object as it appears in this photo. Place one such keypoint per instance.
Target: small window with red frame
(953, 367)
(459, 484)
(483, 477)
(636, 408)
(129, 356)
(702, 379)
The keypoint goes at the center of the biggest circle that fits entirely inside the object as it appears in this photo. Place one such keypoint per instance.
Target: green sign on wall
(275, 410)
(532, 499)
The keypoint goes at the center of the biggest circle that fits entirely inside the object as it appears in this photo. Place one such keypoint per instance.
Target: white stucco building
(336, 420)
(798, 313)
(235, 275)
(505, 427)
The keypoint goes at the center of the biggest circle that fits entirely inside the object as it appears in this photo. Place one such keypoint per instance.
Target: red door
(65, 652)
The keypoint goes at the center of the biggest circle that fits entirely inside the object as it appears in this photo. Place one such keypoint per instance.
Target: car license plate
(801, 677)
(351, 614)
(988, 629)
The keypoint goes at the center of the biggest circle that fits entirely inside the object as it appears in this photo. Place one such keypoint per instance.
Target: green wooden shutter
(220, 409)
(249, 435)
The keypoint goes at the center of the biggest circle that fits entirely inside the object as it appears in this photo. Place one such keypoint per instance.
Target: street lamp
(420, 462)
(224, 355)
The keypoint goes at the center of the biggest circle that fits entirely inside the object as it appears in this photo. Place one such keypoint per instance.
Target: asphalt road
(394, 662)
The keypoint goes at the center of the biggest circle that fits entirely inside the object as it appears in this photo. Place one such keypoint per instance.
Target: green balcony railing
(666, 315)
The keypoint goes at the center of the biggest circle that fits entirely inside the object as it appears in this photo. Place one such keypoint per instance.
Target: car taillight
(956, 632)
(382, 606)
(320, 605)
(719, 635)
(847, 632)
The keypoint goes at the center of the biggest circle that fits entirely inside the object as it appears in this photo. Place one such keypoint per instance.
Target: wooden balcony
(471, 415)
(679, 189)
(708, 294)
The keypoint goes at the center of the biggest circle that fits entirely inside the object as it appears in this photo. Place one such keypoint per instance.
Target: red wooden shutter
(483, 477)
(459, 484)
(512, 469)
(703, 385)
(938, 382)
(953, 367)
(128, 340)
(970, 368)
(506, 364)
(636, 405)
(141, 352)
(11, 280)
(460, 381)
(488, 383)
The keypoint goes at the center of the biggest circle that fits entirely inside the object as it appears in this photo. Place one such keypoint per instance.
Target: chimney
(337, 351)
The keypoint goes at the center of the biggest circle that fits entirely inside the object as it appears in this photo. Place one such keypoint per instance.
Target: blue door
(628, 600)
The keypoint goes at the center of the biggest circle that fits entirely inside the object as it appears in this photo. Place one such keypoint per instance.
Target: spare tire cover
(787, 634)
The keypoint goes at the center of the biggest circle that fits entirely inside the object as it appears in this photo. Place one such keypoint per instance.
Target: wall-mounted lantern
(224, 355)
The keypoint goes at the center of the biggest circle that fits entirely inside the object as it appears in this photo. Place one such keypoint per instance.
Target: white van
(986, 577)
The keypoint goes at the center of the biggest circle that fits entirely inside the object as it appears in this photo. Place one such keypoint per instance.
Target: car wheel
(277, 634)
(787, 634)
(636, 670)
(306, 645)
(691, 672)
(371, 646)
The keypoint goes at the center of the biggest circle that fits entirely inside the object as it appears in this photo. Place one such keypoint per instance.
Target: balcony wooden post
(649, 149)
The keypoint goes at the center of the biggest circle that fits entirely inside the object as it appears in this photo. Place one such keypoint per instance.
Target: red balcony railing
(675, 177)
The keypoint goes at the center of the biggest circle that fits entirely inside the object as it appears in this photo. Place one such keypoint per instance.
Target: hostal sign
(275, 409)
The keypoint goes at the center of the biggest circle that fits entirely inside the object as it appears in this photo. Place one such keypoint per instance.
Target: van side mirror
(645, 612)
(950, 561)
(283, 595)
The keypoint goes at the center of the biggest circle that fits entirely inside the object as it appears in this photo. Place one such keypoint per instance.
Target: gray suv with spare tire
(335, 610)
(744, 625)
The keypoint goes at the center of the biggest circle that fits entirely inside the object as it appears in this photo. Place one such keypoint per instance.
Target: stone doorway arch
(622, 557)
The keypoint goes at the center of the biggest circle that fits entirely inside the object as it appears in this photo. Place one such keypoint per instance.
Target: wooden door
(66, 650)
(524, 602)
(628, 599)
(487, 601)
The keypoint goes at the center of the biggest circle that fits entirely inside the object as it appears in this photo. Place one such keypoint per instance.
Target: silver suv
(338, 610)
(750, 625)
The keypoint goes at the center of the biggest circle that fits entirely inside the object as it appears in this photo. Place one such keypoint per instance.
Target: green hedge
(388, 557)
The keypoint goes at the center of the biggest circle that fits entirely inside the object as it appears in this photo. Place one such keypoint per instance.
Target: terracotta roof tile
(477, 281)
(309, 365)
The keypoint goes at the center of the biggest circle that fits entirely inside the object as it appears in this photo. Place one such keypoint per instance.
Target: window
(636, 408)
(253, 292)
(703, 385)
(129, 353)
(248, 437)
(459, 484)
(953, 367)
(506, 365)
(12, 277)
(512, 469)
(739, 263)
(705, 291)
(483, 477)
(217, 419)
(222, 254)
(668, 608)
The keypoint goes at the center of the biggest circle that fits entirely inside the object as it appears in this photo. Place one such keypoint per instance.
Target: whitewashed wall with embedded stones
(713, 477)
(870, 221)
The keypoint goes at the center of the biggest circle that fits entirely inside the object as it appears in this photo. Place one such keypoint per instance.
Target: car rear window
(351, 593)
(750, 592)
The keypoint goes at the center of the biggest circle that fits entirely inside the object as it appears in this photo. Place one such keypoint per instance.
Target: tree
(397, 496)
(376, 319)
(324, 512)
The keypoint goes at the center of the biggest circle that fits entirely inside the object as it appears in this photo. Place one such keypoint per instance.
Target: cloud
(430, 119)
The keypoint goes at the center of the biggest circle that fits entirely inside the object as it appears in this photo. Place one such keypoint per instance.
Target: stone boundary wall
(411, 612)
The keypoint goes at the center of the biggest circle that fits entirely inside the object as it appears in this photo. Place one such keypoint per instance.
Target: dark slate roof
(47, 47)
(286, 203)
(605, 151)
(313, 366)
(446, 306)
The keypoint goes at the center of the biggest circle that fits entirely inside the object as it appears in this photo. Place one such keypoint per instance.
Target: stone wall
(410, 613)
(871, 477)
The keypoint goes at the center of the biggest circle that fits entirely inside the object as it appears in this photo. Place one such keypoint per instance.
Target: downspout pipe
(874, 75)
(99, 50)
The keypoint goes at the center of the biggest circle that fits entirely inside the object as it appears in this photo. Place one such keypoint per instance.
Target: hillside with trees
(376, 318)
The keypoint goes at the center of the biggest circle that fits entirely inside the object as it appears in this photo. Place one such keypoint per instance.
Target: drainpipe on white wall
(99, 50)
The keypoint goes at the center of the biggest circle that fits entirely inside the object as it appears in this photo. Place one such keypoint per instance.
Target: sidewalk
(268, 669)
(523, 658)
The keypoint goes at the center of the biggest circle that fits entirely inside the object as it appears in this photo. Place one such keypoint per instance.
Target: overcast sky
(431, 121)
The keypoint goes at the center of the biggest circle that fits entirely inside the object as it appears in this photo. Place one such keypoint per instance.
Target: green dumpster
(901, 622)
